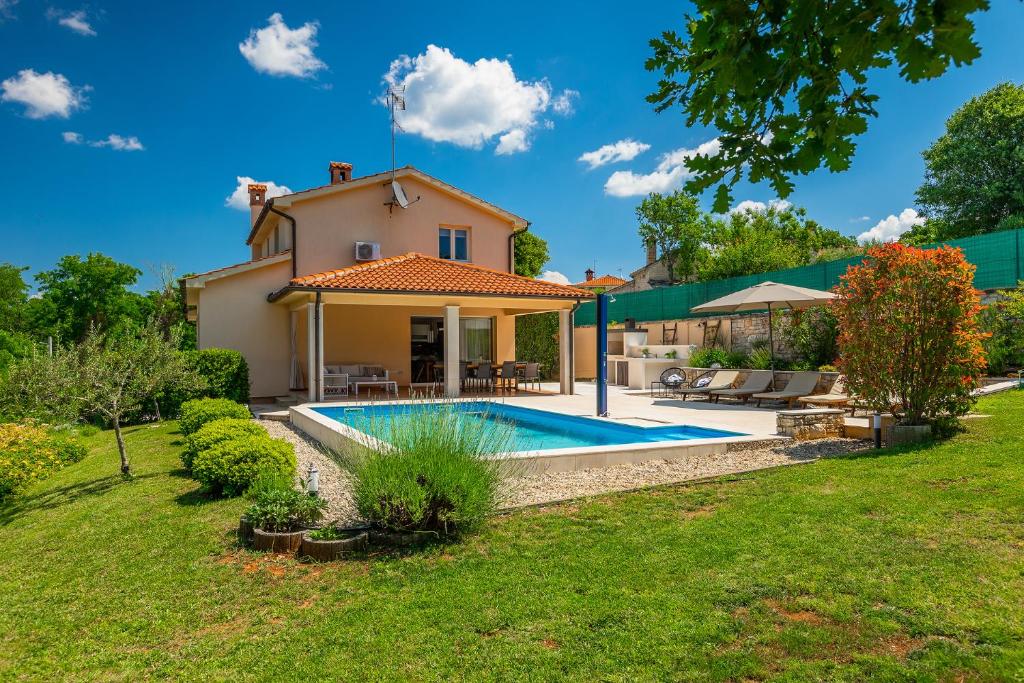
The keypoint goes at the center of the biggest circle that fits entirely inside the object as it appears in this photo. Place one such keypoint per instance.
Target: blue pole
(602, 355)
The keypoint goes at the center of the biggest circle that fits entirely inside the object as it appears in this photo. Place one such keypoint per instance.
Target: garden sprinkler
(313, 480)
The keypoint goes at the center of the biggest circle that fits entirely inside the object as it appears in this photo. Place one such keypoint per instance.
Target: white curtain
(295, 378)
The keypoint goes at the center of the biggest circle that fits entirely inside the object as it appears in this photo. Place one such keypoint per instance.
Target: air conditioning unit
(367, 251)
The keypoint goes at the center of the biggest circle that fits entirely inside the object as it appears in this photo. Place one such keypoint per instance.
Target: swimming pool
(532, 429)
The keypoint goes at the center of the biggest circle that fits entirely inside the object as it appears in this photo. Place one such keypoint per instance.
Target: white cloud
(860, 219)
(751, 205)
(563, 104)
(554, 276)
(281, 51)
(6, 9)
(239, 199)
(77, 21)
(623, 150)
(113, 141)
(889, 229)
(671, 172)
(512, 142)
(451, 100)
(43, 95)
(121, 144)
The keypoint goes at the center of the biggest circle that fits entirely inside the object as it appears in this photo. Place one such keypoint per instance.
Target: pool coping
(338, 437)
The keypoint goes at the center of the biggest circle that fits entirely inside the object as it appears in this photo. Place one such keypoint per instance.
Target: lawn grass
(894, 565)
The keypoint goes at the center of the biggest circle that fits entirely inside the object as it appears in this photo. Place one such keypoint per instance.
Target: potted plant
(671, 353)
(331, 542)
(280, 518)
(645, 352)
(266, 481)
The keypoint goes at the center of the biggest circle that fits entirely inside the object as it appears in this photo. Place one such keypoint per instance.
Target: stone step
(286, 400)
(275, 415)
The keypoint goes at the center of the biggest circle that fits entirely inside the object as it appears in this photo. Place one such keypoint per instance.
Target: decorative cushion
(674, 378)
(703, 382)
(351, 370)
(333, 370)
(371, 370)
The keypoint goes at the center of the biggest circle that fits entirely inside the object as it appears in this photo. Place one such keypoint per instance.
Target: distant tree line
(79, 295)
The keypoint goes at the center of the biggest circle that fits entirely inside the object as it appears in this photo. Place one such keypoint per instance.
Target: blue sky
(209, 101)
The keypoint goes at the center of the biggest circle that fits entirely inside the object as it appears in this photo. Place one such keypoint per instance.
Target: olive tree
(105, 376)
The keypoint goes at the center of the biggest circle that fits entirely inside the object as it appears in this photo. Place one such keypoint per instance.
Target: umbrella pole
(771, 343)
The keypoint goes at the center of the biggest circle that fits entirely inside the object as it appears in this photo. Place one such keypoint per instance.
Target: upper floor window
(453, 244)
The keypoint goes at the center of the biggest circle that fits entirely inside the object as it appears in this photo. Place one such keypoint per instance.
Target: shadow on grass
(197, 496)
(64, 495)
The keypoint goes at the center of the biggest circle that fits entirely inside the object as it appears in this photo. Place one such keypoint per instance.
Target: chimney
(652, 252)
(340, 172)
(590, 274)
(257, 198)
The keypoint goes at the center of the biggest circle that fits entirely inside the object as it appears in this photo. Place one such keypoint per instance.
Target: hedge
(231, 466)
(216, 431)
(199, 411)
(225, 374)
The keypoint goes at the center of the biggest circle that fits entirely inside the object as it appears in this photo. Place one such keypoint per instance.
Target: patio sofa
(357, 372)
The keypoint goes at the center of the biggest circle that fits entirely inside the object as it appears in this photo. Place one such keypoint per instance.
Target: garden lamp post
(313, 480)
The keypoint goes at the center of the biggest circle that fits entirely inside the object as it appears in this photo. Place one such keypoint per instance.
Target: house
(599, 284)
(355, 273)
(654, 273)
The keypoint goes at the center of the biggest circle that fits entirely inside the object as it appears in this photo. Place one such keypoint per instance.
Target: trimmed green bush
(230, 467)
(199, 411)
(214, 432)
(430, 472)
(708, 356)
(29, 452)
(225, 374)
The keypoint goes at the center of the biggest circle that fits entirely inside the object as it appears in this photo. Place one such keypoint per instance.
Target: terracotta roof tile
(414, 272)
(603, 281)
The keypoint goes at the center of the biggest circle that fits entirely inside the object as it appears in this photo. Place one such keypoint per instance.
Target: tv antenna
(396, 102)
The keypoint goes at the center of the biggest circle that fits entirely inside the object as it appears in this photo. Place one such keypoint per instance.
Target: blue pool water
(533, 430)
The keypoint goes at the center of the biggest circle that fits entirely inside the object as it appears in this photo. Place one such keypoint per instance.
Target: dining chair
(485, 376)
(531, 375)
(509, 379)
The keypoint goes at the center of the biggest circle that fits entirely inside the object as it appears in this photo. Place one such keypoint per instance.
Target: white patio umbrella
(767, 295)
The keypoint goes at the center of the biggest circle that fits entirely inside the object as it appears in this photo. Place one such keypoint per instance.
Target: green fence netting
(998, 256)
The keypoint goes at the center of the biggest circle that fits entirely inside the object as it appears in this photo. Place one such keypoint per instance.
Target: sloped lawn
(898, 565)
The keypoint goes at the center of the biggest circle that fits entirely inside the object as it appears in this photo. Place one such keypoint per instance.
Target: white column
(451, 351)
(311, 352)
(323, 358)
(565, 368)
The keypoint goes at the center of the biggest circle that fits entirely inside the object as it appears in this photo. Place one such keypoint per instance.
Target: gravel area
(335, 485)
(549, 488)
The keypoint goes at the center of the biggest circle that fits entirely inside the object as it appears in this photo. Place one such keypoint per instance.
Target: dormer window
(453, 244)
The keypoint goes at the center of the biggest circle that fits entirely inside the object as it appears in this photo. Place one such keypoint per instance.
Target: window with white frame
(453, 244)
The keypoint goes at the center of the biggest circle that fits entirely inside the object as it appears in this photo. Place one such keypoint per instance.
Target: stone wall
(821, 423)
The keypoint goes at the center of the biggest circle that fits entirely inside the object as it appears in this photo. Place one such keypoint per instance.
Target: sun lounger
(800, 384)
(837, 396)
(722, 379)
(756, 382)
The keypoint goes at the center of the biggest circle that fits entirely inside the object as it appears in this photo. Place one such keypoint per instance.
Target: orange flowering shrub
(909, 336)
(29, 452)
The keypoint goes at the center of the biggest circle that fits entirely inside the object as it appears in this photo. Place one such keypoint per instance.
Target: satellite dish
(399, 195)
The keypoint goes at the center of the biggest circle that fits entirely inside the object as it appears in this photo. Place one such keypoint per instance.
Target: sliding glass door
(476, 339)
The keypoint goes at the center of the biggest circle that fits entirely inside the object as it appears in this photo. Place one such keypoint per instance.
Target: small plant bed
(280, 516)
(331, 542)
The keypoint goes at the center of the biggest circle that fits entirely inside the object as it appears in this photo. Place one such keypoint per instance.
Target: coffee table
(390, 385)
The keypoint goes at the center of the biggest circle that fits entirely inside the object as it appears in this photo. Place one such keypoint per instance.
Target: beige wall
(234, 314)
(382, 335)
(329, 226)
